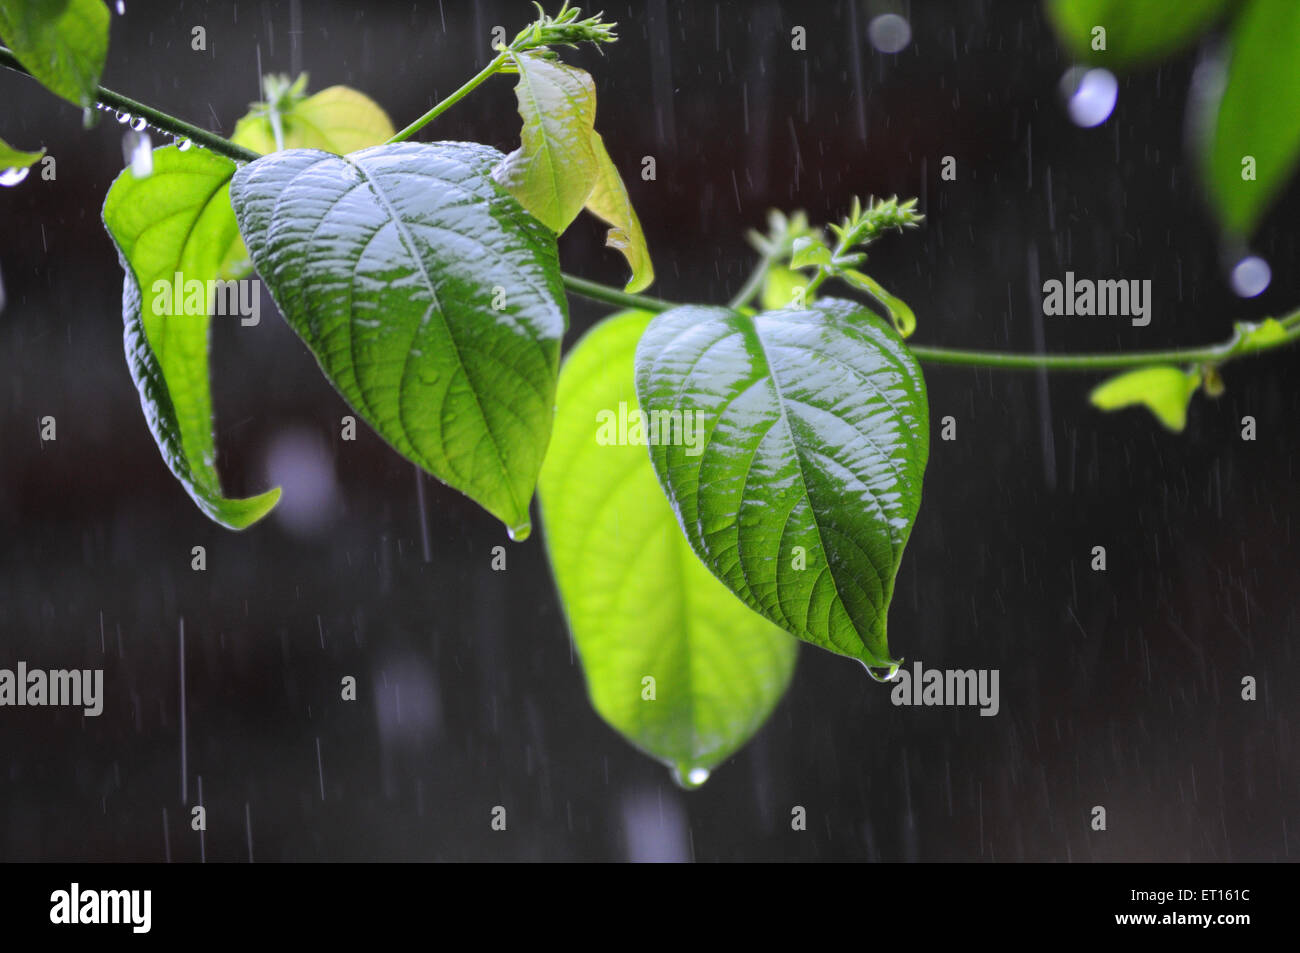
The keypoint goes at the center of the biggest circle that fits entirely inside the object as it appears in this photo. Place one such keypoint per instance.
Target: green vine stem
(156, 118)
(1214, 355)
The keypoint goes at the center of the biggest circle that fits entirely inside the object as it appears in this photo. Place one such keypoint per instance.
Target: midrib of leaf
(408, 241)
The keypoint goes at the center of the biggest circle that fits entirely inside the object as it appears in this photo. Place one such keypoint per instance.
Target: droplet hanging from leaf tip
(890, 670)
(689, 778)
(520, 532)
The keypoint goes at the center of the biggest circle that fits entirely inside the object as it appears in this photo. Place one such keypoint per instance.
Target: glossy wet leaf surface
(63, 43)
(431, 299)
(553, 170)
(177, 221)
(639, 602)
(809, 482)
(11, 158)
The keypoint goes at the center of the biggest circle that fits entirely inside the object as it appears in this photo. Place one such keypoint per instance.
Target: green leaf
(1165, 391)
(175, 222)
(807, 251)
(902, 316)
(1137, 31)
(338, 119)
(430, 297)
(780, 287)
(11, 158)
(1254, 337)
(555, 167)
(63, 43)
(609, 201)
(818, 436)
(1258, 116)
(638, 601)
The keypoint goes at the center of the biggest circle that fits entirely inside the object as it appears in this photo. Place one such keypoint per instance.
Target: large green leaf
(640, 605)
(1259, 114)
(810, 479)
(555, 167)
(609, 201)
(63, 43)
(173, 222)
(430, 297)
(1137, 31)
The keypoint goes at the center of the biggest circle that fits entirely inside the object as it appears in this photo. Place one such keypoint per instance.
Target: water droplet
(121, 8)
(890, 671)
(688, 779)
(889, 33)
(14, 176)
(139, 124)
(123, 117)
(1251, 276)
(519, 533)
(1090, 95)
(183, 145)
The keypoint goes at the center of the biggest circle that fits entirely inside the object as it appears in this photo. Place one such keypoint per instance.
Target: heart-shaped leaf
(430, 297)
(171, 229)
(63, 43)
(805, 490)
(553, 170)
(674, 662)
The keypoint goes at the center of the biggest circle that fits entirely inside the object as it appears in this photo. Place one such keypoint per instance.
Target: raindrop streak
(1251, 276)
(1091, 95)
(889, 33)
(184, 754)
(14, 176)
(320, 769)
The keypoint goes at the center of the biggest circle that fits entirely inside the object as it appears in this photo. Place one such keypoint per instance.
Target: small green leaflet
(1136, 31)
(609, 201)
(807, 487)
(553, 170)
(11, 158)
(640, 605)
(175, 222)
(1254, 141)
(338, 119)
(1165, 391)
(431, 299)
(562, 166)
(63, 43)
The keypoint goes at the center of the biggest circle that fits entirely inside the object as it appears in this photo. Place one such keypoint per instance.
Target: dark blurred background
(1119, 689)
